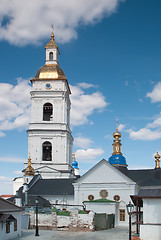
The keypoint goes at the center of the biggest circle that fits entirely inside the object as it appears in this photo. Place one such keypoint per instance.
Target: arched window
(47, 151)
(47, 112)
(51, 56)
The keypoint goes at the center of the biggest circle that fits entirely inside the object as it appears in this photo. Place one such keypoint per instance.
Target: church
(52, 171)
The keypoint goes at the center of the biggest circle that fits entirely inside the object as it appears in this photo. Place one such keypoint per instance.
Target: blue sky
(111, 56)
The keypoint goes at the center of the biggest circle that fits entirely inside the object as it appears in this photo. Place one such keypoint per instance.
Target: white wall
(57, 131)
(150, 232)
(17, 183)
(53, 220)
(151, 216)
(101, 207)
(152, 210)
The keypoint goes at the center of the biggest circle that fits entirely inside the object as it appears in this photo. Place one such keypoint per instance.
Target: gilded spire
(52, 43)
(157, 159)
(117, 124)
(116, 142)
(73, 156)
(52, 35)
(29, 171)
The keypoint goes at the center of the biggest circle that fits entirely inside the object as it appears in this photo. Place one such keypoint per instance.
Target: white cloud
(152, 131)
(88, 154)
(2, 134)
(121, 127)
(83, 105)
(12, 159)
(82, 142)
(86, 85)
(6, 185)
(144, 134)
(108, 136)
(2, 178)
(23, 22)
(14, 105)
(156, 123)
(155, 94)
(140, 100)
(18, 172)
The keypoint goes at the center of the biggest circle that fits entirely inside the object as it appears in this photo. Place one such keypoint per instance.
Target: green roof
(103, 200)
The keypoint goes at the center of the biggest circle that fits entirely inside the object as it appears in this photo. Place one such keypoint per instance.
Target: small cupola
(52, 51)
(75, 165)
(157, 160)
(29, 171)
(117, 159)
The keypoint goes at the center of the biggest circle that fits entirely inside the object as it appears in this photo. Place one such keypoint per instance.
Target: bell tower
(49, 136)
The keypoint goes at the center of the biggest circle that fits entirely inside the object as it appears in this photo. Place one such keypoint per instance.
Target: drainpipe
(26, 193)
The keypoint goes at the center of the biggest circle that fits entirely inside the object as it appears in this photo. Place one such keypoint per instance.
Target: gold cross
(117, 123)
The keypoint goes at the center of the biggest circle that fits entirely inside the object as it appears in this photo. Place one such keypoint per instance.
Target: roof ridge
(10, 203)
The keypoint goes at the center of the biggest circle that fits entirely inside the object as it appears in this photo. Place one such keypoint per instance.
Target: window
(7, 227)
(51, 56)
(15, 225)
(90, 197)
(122, 215)
(47, 151)
(116, 198)
(47, 112)
(103, 194)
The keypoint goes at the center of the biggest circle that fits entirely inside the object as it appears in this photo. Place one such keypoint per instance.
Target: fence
(104, 221)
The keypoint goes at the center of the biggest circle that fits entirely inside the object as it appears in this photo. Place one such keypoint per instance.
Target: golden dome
(52, 43)
(157, 161)
(157, 156)
(29, 171)
(50, 71)
(117, 134)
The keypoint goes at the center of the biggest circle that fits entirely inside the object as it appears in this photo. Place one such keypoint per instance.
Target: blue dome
(117, 159)
(74, 164)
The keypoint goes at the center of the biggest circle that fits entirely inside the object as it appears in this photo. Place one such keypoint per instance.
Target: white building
(54, 175)
(10, 220)
(49, 135)
(149, 219)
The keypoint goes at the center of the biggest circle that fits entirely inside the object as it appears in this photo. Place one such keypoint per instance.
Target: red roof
(6, 196)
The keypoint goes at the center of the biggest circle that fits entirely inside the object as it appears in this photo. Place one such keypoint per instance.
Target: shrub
(63, 213)
(82, 212)
(54, 209)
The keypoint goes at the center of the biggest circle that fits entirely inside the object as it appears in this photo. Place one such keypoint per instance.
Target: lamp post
(130, 208)
(37, 227)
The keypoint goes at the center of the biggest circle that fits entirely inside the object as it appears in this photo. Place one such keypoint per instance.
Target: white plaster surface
(150, 232)
(57, 130)
(152, 210)
(53, 220)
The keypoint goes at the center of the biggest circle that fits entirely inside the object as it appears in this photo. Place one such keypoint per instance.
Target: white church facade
(49, 135)
(52, 171)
